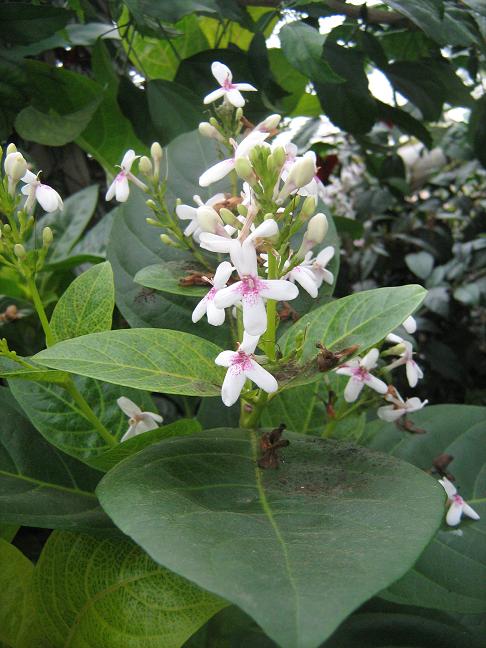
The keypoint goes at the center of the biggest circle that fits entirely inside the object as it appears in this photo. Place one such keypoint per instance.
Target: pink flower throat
(360, 373)
(241, 362)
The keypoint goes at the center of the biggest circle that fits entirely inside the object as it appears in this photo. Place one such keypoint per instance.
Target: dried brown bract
(270, 443)
(327, 360)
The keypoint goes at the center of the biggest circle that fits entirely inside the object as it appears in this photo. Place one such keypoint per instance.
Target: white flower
(311, 273)
(241, 365)
(120, 188)
(186, 212)
(458, 506)
(46, 196)
(221, 169)
(138, 421)
(206, 305)
(399, 407)
(299, 175)
(229, 90)
(251, 290)
(319, 266)
(405, 350)
(359, 372)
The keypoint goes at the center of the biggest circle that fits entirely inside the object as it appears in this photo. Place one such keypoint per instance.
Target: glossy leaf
(167, 278)
(364, 319)
(40, 486)
(333, 519)
(52, 129)
(173, 109)
(94, 242)
(11, 369)
(152, 359)
(91, 593)
(60, 420)
(86, 306)
(451, 572)
(15, 579)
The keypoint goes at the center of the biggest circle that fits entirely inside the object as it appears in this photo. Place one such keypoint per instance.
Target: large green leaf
(52, 129)
(24, 23)
(302, 46)
(15, 580)
(167, 278)
(152, 359)
(91, 593)
(297, 549)
(39, 485)
(364, 319)
(60, 420)
(86, 306)
(173, 109)
(69, 224)
(450, 574)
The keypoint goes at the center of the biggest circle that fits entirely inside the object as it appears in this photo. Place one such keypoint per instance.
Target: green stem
(88, 413)
(250, 419)
(39, 307)
(271, 332)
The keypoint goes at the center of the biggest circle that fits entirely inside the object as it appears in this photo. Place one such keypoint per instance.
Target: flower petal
(48, 198)
(216, 172)
(370, 359)
(200, 310)
(249, 343)
(215, 242)
(454, 514)
(325, 256)
(186, 212)
(235, 98)
(261, 377)
(147, 423)
(448, 486)
(244, 258)
(470, 512)
(226, 297)
(155, 417)
(109, 194)
(222, 274)
(232, 386)
(254, 315)
(279, 289)
(246, 87)
(122, 189)
(28, 177)
(376, 384)
(306, 279)
(221, 73)
(412, 373)
(215, 315)
(214, 95)
(131, 432)
(128, 407)
(225, 358)
(352, 390)
(128, 159)
(390, 413)
(267, 229)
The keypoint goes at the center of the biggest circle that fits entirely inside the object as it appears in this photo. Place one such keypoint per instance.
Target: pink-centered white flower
(399, 407)
(229, 90)
(405, 351)
(221, 169)
(120, 188)
(46, 196)
(458, 507)
(252, 290)
(299, 174)
(311, 273)
(186, 212)
(207, 306)
(359, 371)
(138, 421)
(242, 365)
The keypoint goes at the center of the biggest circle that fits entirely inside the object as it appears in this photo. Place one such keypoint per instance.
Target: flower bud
(269, 124)
(151, 204)
(15, 166)
(308, 208)
(166, 240)
(208, 130)
(6, 229)
(156, 152)
(19, 251)
(145, 166)
(244, 170)
(152, 221)
(317, 229)
(242, 210)
(303, 170)
(47, 236)
(239, 114)
(11, 148)
(208, 219)
(228, 217)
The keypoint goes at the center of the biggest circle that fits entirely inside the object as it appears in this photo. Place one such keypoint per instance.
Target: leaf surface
(334, 519)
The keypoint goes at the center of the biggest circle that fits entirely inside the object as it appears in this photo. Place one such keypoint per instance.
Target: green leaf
(25, 23)
(364, 319)
(451, 572)
(86, 306)
(13, 92)
(15, 579)
(58, 418)
(39, 485)
(302, 409)
(420, 263)
(131, 446)
(52, 129)
(302, 45)
(348, 105)
(154, 359)
(92, 593)
(69, 224)
(11, 369)
(167, 277)
(405, 122)
(94, 242)
(283, 540)
(477, 129)
(173, 109)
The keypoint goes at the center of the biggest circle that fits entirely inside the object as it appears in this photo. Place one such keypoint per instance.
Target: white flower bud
(47, 236)
(303, 170)
(308, 208)
(317, 229)
(15, 166)
(209, 220)
(269, 124)
(11, 148)
(244, 170)
(145, 166)
(207, 130)
(156, 152)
